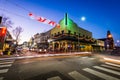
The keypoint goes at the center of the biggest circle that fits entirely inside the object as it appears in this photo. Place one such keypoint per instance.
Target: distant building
(41, 39)
(108, 41)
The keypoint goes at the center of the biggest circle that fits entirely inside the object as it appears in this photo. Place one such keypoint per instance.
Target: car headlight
(45, 50)
(40, 50)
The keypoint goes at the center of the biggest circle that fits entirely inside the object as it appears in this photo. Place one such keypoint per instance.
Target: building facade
(41, 40)
(69, 37)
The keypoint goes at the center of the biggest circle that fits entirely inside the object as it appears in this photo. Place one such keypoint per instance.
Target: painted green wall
(73, 27)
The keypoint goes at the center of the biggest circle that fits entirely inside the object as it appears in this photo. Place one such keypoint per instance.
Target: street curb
(50, 55)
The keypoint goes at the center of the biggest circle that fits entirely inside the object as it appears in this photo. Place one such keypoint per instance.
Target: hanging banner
(44, 20)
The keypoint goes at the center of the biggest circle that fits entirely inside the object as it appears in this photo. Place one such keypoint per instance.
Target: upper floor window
(55, 34)
(52, 34)
(58, 33)
(62, 31)
(74, 33)
(79, 34)
(83, 35)
(69, 31)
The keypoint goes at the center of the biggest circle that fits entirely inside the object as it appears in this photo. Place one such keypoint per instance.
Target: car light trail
(112, 60)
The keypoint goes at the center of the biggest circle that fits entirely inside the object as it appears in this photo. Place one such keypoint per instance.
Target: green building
(69, 37)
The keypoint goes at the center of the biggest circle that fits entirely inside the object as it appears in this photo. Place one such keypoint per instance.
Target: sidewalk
(33, 55)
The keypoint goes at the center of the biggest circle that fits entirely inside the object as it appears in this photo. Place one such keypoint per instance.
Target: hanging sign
(44, 20)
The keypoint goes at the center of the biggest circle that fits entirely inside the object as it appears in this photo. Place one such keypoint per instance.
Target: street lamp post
(118, 41)
(82, 19)
(78, 41)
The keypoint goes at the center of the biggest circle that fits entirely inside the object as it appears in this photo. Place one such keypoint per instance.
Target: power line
(11, 12)
(14, 13)
(18, 6)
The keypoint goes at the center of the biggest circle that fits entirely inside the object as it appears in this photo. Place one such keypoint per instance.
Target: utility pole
(0, 19)
(78, 40)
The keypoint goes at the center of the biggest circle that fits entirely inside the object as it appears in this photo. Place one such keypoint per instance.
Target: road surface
(59, 68)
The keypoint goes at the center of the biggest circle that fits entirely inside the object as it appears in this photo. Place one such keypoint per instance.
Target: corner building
(69, 37)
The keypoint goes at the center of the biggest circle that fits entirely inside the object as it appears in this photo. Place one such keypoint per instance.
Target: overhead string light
(38, 18)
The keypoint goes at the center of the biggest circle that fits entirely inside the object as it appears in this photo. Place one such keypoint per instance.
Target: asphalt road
(59, 68)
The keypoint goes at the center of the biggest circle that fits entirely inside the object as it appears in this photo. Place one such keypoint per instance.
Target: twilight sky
(101, 15)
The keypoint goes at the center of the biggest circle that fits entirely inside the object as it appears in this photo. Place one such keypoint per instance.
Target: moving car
(42, 50)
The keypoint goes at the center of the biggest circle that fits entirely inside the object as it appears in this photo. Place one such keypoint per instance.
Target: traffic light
(0, 19)
(3, 31)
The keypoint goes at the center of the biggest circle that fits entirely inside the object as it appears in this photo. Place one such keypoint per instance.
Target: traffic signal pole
(3, 31)
(0, 19)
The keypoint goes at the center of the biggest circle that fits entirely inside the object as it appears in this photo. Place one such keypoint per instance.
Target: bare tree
(6, 22)
(16, 32)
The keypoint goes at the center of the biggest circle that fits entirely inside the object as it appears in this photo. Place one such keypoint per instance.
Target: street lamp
(110, 36)
(118, 41)
(82, 19)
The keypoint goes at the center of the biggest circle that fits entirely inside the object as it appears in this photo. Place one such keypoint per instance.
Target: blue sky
(101, 15)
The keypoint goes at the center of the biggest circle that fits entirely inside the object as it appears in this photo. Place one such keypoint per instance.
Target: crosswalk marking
(99, 74)
(7, 60)
(54, 78)
(112, 64)
(1, 78)
(6, 63)
(110, 67)
(86, 57)
(107, 70)
(77, 76)
(3, 70)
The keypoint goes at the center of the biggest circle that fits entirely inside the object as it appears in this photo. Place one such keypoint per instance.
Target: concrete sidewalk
(33, 55)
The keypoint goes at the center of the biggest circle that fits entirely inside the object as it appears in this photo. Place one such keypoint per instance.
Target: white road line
(107, 70)
(112, 64)
(1, 78)
(8, 60)
(99, 74)
(77, 76)
(92, 58)
(84, 57)
(110, 59)
(110, 67)
(54, 78)
(7, 65)
(3, 71)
